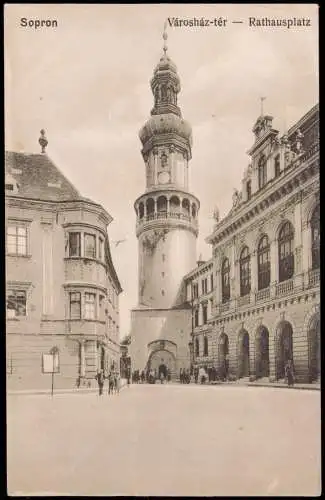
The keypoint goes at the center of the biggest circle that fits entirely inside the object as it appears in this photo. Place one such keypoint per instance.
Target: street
(166, 440)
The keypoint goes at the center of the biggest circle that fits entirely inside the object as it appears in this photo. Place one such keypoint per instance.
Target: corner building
(262, 306)
(62, 288)
(167, 229)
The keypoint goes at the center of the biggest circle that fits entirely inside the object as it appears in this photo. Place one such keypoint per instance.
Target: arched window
(163, 160)
(205, 346)
(315, 239)
(286, 258)
(225, 276)
(263, 263)
(197, 347)
(163, 93)
(245, 272)
(261, 172)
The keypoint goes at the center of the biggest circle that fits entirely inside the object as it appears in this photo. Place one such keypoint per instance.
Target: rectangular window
(205, 313)
(195, 290)
(101, 249)
(196, 317)
(211, 308)
(75, 305)
(90, 306)
(90, 246)
(16, 303)
(17, 239)
(277, 166)
(249, 189)
(211, 282)
(74, 245)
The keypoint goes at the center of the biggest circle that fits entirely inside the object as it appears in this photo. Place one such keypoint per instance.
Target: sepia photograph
(162, 250)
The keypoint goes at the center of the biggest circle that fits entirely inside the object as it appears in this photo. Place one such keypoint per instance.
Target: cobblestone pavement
(166, 440)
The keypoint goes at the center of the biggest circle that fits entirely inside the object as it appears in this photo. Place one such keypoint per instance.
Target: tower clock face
(163, 178)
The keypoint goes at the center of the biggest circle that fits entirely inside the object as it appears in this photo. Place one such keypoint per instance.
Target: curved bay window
(315, 239)
(263, 263)
(225, 276)
(286, 257)
(245, 272)
(261, 172)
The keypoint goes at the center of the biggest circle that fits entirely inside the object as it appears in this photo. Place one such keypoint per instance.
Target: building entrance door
(162, 370)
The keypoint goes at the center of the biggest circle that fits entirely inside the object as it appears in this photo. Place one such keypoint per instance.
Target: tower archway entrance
(162, 361)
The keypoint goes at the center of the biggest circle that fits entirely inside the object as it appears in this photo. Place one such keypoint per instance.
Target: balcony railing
(244, 301)
(314, 277)
(224, 307)
(168, 215)
(262, 294)
(284, 288)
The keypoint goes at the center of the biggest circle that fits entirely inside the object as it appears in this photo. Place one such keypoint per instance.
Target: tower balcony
(163, 219)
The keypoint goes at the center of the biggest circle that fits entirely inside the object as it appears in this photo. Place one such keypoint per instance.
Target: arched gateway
(314, 347)
(284, 347)
(162, 361)
(262, 352)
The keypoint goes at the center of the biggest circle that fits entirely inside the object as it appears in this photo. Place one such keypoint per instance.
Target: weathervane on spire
(165, 36)
(262, 111)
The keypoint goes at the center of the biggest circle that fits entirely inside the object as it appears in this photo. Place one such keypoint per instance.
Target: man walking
(100, 381)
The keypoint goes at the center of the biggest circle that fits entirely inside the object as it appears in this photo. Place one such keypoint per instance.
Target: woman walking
(289, 373)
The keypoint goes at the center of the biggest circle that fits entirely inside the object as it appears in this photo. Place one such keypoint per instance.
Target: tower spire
(165, 37)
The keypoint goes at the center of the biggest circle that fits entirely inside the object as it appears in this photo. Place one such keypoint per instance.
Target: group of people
(150, 376)
(184, 376)
(113, 382)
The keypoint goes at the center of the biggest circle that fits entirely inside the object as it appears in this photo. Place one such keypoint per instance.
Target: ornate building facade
(262, 305)
(166, 228)
(62, 288)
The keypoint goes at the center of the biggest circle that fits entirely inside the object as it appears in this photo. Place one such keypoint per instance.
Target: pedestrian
(196, 375)
(100, 381)
(168, 375)
(128, 375)
(110, 383)
(289, 373)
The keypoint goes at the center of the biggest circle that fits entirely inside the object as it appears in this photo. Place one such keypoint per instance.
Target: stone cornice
(269, 133)
(198, 271)
(296, 175)
(168, 224)
(59, 206)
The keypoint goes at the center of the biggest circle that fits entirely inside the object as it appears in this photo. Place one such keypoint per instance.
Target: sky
(86, 82)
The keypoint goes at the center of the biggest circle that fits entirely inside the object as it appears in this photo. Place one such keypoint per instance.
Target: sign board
(50, 363)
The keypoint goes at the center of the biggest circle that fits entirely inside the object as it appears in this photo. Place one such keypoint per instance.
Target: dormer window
(11, 184)
(262, 172)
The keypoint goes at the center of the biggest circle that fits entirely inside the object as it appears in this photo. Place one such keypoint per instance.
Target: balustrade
(243, 301)
(314, 277)
(262, 294)
(284, 288)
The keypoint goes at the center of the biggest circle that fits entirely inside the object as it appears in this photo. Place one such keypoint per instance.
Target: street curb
(224, 384)
(57, 391)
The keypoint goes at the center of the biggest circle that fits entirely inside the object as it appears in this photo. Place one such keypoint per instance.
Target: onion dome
(168, 123)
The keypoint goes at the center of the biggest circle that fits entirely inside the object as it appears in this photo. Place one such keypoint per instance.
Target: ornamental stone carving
(150, 242)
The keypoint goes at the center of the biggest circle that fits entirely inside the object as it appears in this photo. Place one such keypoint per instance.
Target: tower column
(155, 207)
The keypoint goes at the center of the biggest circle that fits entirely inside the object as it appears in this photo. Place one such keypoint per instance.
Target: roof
(39, 178)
